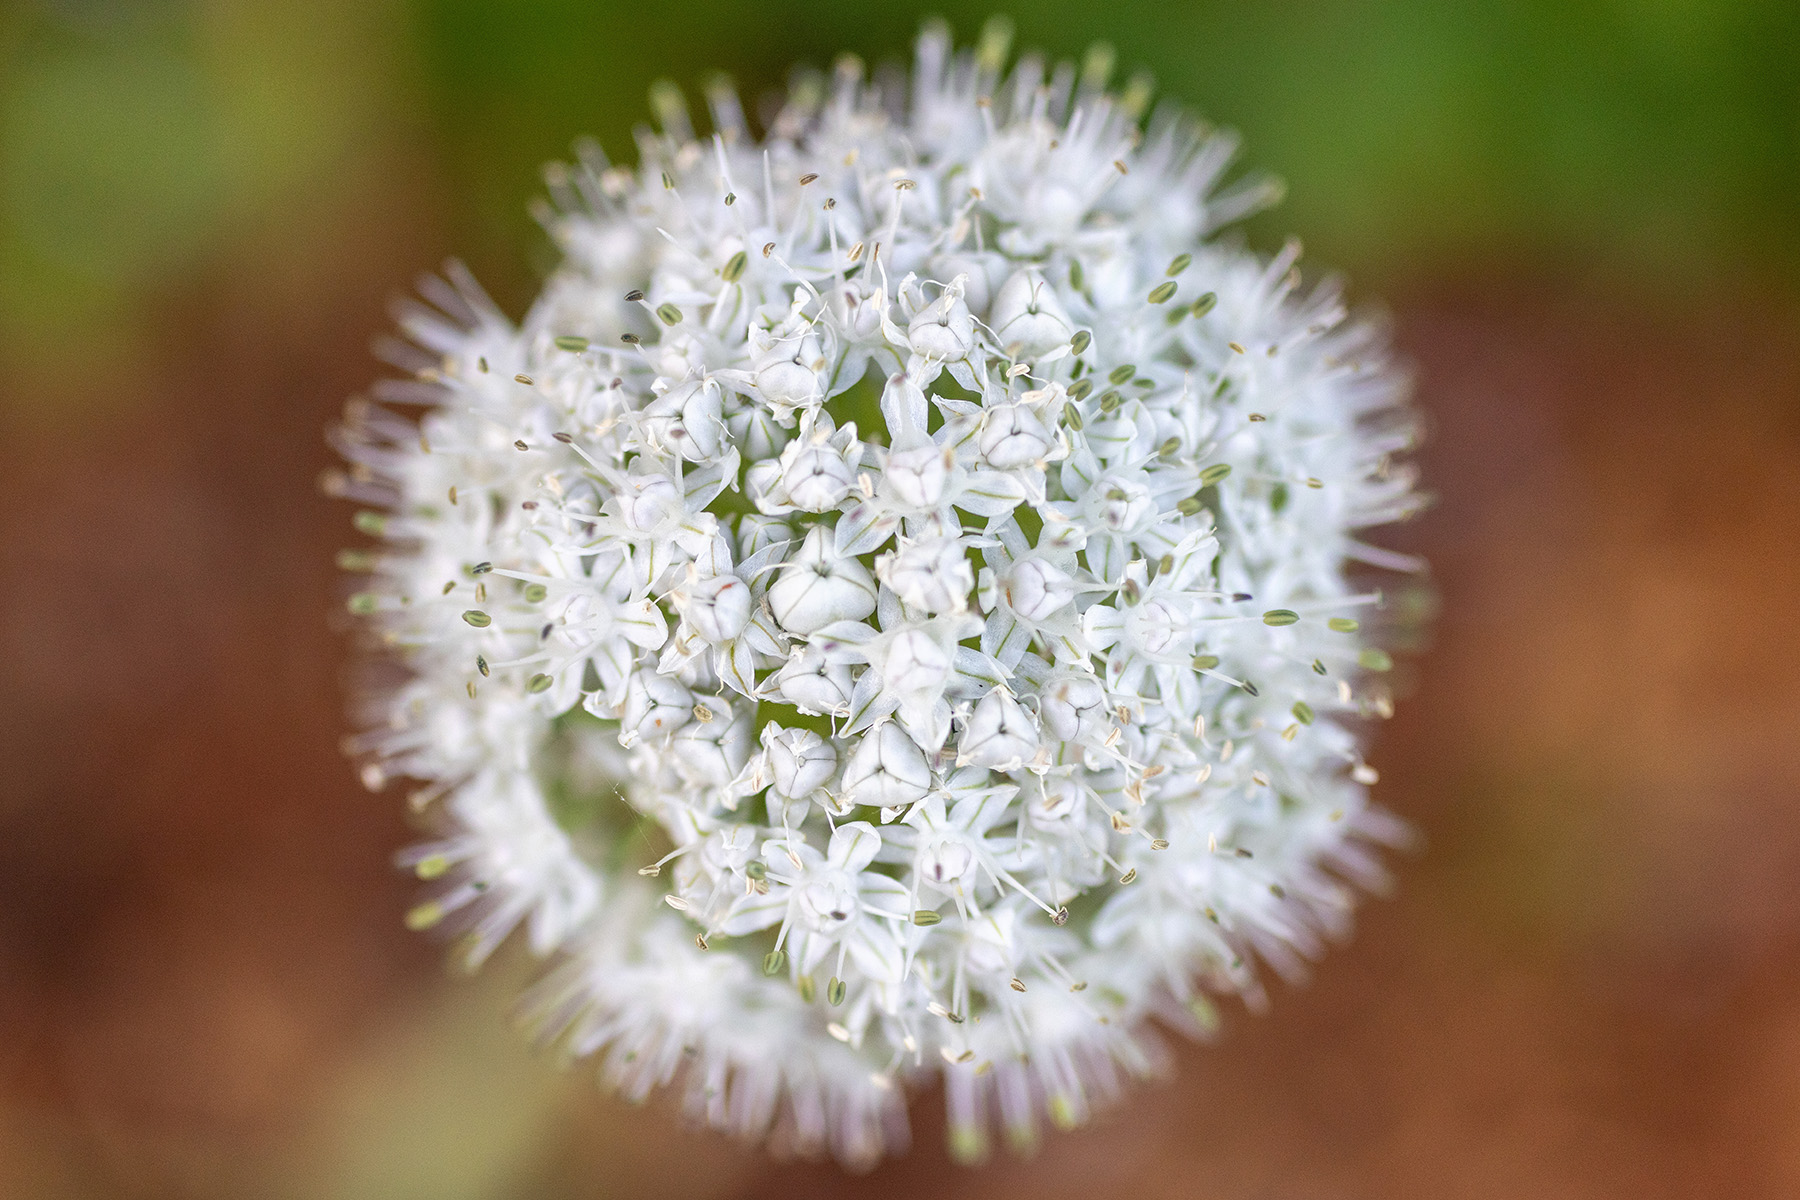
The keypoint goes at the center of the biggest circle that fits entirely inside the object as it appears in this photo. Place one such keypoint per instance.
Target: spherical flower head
(890, 610)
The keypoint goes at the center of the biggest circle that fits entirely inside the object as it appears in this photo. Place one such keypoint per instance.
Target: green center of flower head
(887, 609)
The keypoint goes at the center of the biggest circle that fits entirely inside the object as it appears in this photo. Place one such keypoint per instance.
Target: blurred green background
(1583, 218)
(1655, 141)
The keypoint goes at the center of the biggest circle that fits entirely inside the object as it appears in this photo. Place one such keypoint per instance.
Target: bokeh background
(1583, 217)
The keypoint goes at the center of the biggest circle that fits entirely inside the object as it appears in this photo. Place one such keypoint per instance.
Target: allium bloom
(886, 611)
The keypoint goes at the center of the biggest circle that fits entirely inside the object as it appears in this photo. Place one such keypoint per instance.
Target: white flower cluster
(885, 611)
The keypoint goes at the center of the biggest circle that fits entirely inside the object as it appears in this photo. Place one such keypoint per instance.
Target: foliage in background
(1656, 136)
(142, 140)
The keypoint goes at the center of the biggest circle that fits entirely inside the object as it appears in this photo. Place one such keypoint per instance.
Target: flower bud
(762, 483)
(818, 587)
(1074, 707)
(999, 734)
(646, 501)
(1013, 436)
(787, 383)
(816, 476)
(918, 475)
(1037, 589)
(799, 761)
(886, 769)
(655, 705)
(944, 329)
(1028, 314)
(711, 753)
(914, 665)
(862, 310)
(717, 607)
(933, 575)
(814, 685)
(787, 378)
(699, 431)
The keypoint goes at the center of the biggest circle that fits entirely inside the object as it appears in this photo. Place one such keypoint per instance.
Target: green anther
(1204, 304)
(1189, 506)
(996, 39)
(363, 603)
(808, 989)
(1121, 374)
(477, 618)
(1303, 712)
(1205, 662)
(1165, 564)
(757, 870)
(926, 916)
(372, 523)
(1110, 401)
(355, 560)
(481, 665)
(431, 867)
(773, 961)
(1280, 616)
(835, 992)
(1161, 293)
(539, 683)
(1062, 1112)
(1080, 388)
(1376, 660)
(1097, 64)
(668, 181)
(535, 592)
(1179, 265)
(574, 343)
(424, 916)
(1077, 280)
(481, 568)
(1214, 474)
(669, 313)
(968, 1144)
(1072, 415)
(1343, 624)
(1319, 667)
(1081, 341)
(1169, 448)
(734, 267)
(1251, 688)
(1136, 97)
(1203, 1011)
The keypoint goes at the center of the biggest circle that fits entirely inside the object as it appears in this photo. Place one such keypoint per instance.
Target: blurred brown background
(1583, 220)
